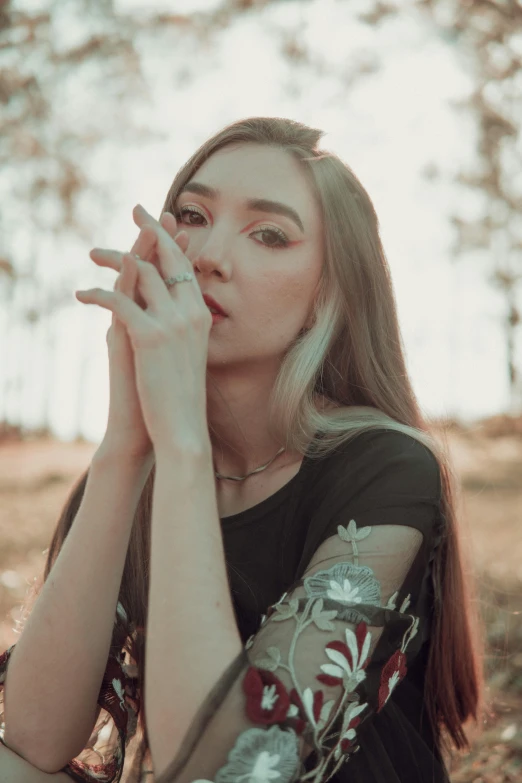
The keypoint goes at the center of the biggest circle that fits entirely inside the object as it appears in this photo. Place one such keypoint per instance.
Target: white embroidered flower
(269, 697)
(351, 675)
(344, 592)
(392, 682)
(262, 756)
(345, 582)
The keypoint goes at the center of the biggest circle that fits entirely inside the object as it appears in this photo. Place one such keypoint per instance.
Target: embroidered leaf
(272, 662)
(284, 611)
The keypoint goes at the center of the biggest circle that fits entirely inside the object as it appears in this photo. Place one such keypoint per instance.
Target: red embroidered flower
(392, 673)
(267, 700)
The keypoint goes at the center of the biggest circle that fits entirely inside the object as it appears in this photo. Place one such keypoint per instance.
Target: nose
(209, 261)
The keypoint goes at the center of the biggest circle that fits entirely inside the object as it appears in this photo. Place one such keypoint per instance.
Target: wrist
(170, 452)
(110, 452)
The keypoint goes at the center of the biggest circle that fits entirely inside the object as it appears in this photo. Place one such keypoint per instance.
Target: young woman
(260, 576)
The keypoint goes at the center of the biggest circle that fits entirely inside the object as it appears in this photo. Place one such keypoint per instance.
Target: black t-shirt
(331, 584)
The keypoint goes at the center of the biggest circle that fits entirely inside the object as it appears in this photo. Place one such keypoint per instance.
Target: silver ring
(170, 281)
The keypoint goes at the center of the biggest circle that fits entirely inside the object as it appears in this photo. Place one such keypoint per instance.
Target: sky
(389, 127)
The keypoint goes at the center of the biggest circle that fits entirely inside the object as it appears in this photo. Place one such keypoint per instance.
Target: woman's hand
(126, 432)
(169, 339)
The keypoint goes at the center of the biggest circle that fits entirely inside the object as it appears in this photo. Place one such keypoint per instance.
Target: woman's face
(260, 265)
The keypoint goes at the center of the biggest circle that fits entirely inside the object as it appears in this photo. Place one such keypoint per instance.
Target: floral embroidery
(101, 773)
(118, 697)
(350, 659)
(260, 756)
(346, 592)
(266, 698)
(349, 592)
(395, 669)
(392, 673)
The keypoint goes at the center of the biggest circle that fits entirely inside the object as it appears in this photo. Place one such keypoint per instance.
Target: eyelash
(283, 239)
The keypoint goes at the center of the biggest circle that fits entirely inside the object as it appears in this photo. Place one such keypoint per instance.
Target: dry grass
(36, 476)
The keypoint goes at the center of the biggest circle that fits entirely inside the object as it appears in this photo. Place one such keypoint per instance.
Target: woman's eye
(281, 240)
(186, 210)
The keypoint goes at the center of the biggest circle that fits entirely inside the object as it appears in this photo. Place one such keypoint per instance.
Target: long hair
(353, 355)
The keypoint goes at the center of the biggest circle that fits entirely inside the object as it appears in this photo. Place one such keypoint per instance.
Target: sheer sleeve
(102, 759)
(328, 655)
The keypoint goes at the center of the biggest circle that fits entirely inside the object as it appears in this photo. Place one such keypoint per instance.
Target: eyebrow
(253, 204)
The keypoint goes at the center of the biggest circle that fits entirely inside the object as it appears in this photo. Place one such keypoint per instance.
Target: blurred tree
(70, 75)
(488, 36)
(70, 80)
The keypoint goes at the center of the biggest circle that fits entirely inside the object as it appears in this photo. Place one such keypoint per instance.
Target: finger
(169, 251)
(169, 223)
(143, 218)
(105, 257)
(182, 240)
(145, 277)
(127, 282)
(142, 246)
(152, 287)
(127, 278)
(122, 307)
(145, 247)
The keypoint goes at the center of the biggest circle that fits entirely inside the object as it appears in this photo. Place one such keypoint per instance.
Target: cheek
(282, 301)
(293, 295)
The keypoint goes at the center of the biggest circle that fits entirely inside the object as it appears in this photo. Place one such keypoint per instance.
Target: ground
(37, 474)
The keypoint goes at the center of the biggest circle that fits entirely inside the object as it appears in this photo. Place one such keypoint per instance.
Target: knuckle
(153, 336)
(147, 266)
(176, 322)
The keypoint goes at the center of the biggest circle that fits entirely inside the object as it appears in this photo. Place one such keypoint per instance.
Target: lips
(211, 303)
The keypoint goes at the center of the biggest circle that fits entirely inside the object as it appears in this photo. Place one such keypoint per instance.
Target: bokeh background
(102, 101)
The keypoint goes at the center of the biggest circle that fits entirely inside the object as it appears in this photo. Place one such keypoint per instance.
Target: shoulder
(381, 454)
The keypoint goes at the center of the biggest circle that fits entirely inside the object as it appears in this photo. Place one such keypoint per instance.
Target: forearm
(15, 769)
(55, 673)
(192, 634)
